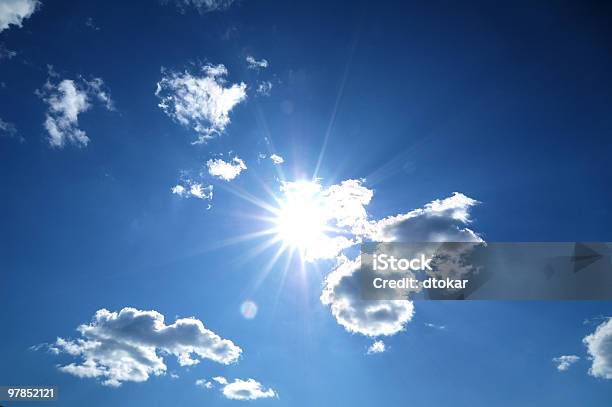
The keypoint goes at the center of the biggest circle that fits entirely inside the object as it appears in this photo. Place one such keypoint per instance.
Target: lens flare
(248, 309)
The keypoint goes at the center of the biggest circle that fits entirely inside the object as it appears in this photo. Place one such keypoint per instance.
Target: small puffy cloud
(224, 170)
(434, 326)
(190, 188)
(276, 159)
(203, 6)
(205, 384)
(599, 347)
(252, 63)
(220, 380)
(564, 362)
(131, 345)
(376, 347)
(202, 101)
(264, 88)
(248, 389)
(13, 12)
(66, 101)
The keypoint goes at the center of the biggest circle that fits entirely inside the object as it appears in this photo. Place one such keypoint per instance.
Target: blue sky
(509, 106)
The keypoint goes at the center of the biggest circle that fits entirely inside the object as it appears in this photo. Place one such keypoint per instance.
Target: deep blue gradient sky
(509, 104)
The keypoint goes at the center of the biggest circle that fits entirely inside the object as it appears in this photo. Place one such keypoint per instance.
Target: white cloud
(255, 64)
(202, 102)
(276, 159)
(376, 347)
(599, 346)
(248, 389)
(204, 384)
(130, 345)
(434, 326)
(220, 379)
(204, 6)
(565, 362)
(189, 188)
(224, 170)
(67, 100)
(439, 221)
(13, 12)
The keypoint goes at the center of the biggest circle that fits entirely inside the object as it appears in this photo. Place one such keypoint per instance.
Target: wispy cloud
(66, 100)
(202, 101)
(253, 63)
(9, 130)
(6, 53)
(203, 6)
(130, 346)
(376, 347)
(205, 384)
(264, 88)
(564, 362)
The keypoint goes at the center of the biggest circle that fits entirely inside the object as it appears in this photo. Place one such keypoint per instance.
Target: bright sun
(300, 221)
